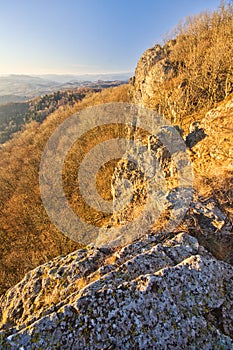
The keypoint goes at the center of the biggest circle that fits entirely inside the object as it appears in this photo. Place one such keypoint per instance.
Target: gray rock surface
(152, 69)
(171, 295)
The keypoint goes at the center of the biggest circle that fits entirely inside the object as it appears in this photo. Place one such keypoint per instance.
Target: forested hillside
(14, 116)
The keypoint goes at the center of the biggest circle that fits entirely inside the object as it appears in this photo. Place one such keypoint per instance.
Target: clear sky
(85, 36)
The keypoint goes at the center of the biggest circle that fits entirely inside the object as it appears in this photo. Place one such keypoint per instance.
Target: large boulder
(146, 295)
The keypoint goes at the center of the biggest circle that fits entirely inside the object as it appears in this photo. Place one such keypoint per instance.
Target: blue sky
(85, 36)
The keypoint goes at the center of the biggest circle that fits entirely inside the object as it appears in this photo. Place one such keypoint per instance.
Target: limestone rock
(213, 227)
(215, 151)
(153, 67)
(171, 295)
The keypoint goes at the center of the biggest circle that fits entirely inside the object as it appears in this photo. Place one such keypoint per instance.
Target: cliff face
(159, 83)
(153, 68)
(207, 196)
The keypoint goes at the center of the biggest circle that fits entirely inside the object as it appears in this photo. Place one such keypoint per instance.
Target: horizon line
(67, 74)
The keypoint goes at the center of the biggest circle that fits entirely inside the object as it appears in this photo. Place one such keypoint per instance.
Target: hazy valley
(17, 88)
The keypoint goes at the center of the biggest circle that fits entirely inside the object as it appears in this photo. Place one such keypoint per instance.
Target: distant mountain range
(19, 88)
(86, 77)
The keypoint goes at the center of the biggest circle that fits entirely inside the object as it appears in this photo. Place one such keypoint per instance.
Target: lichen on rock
(154, 296)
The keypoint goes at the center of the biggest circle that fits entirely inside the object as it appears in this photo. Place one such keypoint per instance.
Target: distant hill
(17, 88)
(64, 78)
(15, 115)
(25, 85)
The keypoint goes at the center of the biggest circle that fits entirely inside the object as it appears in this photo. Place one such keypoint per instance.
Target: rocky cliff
(153, 69)
(161, 83)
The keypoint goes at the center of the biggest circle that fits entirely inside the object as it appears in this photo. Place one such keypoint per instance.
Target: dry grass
(202, 67)
(27, 237)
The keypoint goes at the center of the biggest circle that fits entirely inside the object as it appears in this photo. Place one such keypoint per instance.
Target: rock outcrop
(152, 69)
(208, 136)
(173, 295)
(215, 151)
